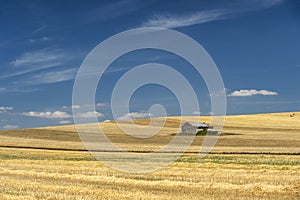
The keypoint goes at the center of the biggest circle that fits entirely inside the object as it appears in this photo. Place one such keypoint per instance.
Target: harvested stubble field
(257, 157)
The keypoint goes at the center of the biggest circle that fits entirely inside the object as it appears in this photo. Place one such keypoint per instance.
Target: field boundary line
(170, 152)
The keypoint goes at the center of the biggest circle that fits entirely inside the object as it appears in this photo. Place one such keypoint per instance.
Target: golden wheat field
(256, 157)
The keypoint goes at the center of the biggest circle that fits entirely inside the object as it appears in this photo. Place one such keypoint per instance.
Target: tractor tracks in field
(134, 151)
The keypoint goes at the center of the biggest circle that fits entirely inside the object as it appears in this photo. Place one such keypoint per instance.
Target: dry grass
(72, 174)
(36, 174)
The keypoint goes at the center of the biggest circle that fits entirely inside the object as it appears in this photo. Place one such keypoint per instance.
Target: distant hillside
(276, 132)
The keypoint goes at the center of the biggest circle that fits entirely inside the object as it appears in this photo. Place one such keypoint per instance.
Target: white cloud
(5, 108)
(11, 126)
(196, 112)
(89, 114)
(245, 93)
(62, 115)
(135, 115)
(99, 105)
(50, 115)
(65, 122)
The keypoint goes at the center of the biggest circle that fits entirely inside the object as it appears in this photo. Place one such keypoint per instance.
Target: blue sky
(255, 45)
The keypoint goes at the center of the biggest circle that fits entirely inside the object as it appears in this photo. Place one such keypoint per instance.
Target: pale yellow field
(47, 163)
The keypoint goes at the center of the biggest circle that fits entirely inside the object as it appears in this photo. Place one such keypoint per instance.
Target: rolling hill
(256, 157)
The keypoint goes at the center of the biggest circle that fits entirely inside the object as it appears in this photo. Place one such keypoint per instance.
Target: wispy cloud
(218, 93)
(101, 105)
(113, 10)
(37, 60)
(39, 29)
(54, 76)
(252, 92)
(17, 90)
(65, 122)
(270, 3)
(210, 113)
(135, 115)
(173, 21)
(189, 19)
(41, 39)
(196, 112)
(8, 126)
